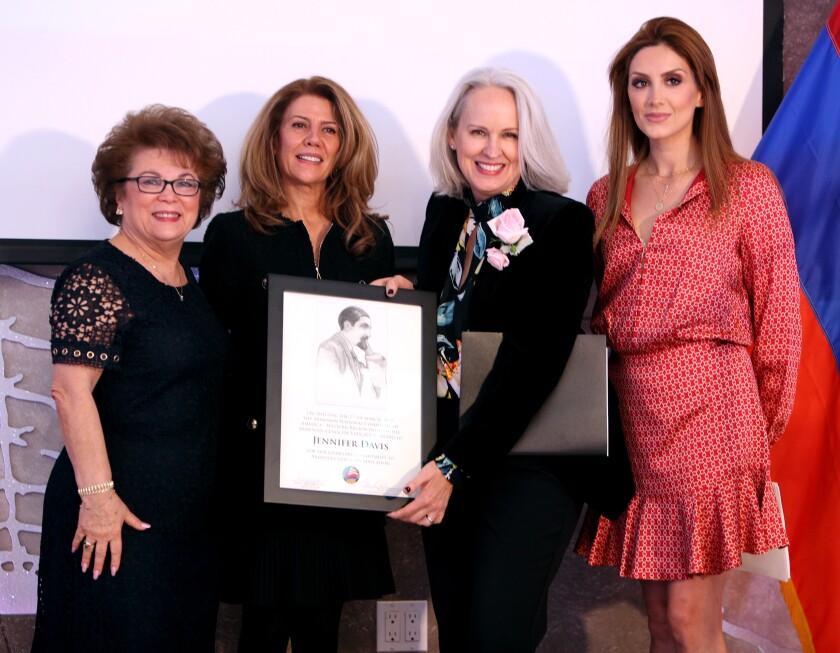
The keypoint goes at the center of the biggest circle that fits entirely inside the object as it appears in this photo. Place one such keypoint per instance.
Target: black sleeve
(88, 316)
(382, 264)
(444, 220)
(219, 270)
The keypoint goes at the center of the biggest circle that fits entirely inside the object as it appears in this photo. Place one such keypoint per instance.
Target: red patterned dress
(703, 323)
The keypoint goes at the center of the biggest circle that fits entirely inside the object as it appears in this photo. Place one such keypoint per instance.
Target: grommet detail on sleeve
(264, 283)
(88, 314)
(252, 424)
(116, 358)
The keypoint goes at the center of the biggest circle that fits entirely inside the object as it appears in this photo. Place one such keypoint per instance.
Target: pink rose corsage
(497, 258)
(511, 238)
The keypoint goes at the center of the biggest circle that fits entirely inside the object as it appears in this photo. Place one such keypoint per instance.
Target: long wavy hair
(627, 145)
(349, 187)
(540, 160)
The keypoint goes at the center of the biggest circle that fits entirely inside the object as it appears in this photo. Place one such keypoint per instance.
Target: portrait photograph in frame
(350, 392)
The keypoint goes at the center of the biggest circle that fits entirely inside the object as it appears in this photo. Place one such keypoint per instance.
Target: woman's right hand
(429, 505)
(101, 518)
(392, 284)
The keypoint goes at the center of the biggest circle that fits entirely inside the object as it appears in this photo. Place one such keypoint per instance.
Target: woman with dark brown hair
(698, 296)
(138, 356)
(307, 172)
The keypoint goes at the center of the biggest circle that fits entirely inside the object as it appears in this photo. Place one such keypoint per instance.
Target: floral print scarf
(453, 311)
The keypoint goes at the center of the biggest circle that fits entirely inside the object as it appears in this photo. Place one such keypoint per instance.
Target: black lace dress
(158, 399)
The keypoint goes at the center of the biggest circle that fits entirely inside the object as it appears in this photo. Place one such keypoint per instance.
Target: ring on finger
(87, 543)
(430, 519)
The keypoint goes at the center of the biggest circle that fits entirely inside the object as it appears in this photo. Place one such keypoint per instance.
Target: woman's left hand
(392, 284)
(429, 506)
(101, 519)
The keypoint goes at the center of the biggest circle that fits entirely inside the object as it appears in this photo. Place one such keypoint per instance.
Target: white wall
(70, 70)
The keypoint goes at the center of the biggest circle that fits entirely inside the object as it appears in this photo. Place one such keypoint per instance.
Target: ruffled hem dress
(704, 329)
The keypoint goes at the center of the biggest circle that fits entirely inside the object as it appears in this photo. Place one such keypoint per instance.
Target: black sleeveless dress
(158, 398)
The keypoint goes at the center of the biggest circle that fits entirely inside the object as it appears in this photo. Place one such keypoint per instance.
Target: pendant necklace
(660, 201)
(157, 273)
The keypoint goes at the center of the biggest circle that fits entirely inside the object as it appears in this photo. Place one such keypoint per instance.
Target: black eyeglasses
(155, 185)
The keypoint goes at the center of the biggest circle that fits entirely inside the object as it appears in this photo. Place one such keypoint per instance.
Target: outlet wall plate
(402, 626)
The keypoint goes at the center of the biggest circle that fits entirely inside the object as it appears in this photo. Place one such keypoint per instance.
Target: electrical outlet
(412, 626)
(401, 625)
(393, 626)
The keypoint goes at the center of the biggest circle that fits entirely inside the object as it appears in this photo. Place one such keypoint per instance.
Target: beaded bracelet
(96, 488)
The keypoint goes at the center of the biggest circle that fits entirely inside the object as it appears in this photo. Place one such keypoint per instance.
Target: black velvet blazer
(537, 302)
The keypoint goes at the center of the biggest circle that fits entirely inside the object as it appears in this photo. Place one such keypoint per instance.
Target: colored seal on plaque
(350, 474)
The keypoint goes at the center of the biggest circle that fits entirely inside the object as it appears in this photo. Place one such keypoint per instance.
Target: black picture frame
(347, 442)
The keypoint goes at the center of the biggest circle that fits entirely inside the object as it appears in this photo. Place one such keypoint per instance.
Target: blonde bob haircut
(349, 187)
(628, 146)
(540, 160)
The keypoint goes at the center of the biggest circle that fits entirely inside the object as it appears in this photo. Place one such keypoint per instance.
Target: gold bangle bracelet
(96, 488)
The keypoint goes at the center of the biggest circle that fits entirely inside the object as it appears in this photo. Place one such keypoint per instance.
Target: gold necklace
(156, 273)
(660, 201)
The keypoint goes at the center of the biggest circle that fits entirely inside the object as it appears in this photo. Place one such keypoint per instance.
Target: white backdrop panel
(70, 71)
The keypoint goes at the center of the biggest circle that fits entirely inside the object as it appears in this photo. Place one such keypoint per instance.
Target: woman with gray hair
(498, 234)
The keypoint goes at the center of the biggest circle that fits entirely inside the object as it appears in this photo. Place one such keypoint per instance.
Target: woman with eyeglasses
(126, 558)
(307, 171)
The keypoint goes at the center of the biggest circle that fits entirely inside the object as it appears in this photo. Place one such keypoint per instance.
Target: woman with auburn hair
(127, 556)
(698, 295)
(498, 232)
(347, 188)
(307, 171)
